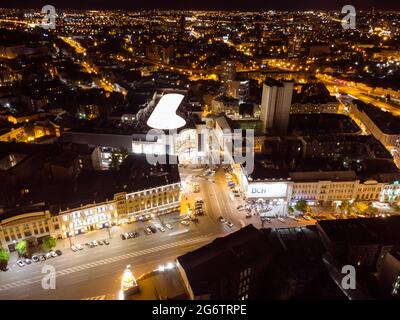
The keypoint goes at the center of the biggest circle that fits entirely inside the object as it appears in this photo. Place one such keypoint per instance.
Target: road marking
(199, 239)
(96, 298)
(178, 232)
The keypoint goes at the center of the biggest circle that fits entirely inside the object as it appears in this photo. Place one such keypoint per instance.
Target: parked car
(59, 252)
(35, 258)
(147, 231)
(221, 219)
(28, 261)
(20, 263)
(185, 223)
(79, 247)
(106, 242)
(123, 236)
(170, 227)
(239, 207)
(73, 248)
(94, 242)
(161, 228)
(248, 215)
(306, 218)
(281, 220)
(130, 235)
(230, 224)
(127, 236)
(100, 242)
(42, 257)
(48, 255)
(53, 254)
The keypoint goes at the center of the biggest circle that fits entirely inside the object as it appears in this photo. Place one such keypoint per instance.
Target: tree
(22, 247)
(49, 243)
(4, 257)
(290, 210)
(302, 206)
(361, 206)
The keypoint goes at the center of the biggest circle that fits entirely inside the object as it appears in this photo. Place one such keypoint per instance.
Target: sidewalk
(115, 231)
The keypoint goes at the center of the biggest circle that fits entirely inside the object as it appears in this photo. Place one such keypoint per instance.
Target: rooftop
(364, 231)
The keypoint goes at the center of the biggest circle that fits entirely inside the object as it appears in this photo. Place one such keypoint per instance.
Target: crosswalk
(96, 298)
(87, 266)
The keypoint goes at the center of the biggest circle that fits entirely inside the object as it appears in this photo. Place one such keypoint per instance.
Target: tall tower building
(275, 105)
(228, 74)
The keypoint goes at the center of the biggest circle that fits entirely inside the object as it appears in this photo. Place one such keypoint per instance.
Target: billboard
(267, 190)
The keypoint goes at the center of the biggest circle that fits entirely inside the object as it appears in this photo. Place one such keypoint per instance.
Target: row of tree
(346, 207)
(22, 248)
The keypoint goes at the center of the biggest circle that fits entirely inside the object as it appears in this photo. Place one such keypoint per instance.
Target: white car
(230, 224)
(95, 243)
(73, 248)
(20, 263)
(79, 247)
(281, 220)
(53, 254)
(162, 229)
(48, 255)
(185, 223)
(35, 258)
(170, 227)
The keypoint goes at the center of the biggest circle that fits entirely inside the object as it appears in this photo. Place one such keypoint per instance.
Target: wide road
(96, 272)
(218, 203)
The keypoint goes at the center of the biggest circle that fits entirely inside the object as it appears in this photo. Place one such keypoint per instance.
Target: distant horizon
(207, 5)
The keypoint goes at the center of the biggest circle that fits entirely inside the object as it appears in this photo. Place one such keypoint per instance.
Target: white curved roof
(164, 116)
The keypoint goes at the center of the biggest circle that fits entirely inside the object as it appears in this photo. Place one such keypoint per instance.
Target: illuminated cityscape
(199, 155)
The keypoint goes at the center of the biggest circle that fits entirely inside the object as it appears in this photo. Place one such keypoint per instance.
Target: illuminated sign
(267, 190)
(164, 116)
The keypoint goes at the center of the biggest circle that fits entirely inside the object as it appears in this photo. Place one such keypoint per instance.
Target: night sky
(251, 5)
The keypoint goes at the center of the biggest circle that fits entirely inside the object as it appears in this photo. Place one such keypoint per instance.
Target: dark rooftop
(364, 231)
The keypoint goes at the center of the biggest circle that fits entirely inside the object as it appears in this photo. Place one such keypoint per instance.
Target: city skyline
(199, 155)
(252, 5)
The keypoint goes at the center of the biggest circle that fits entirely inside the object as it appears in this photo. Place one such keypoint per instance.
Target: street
(95, 273)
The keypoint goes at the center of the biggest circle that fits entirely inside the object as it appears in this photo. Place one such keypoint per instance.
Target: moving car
(20, 263)
(230, 224)
(35, 258)
(170, 227)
